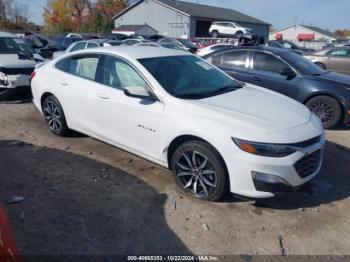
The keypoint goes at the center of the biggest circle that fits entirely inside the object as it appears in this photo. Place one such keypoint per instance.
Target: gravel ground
(85, 197)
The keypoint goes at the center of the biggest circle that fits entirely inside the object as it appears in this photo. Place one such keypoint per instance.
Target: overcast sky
(328, 14)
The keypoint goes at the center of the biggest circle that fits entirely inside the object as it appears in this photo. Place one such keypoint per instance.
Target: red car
(8, 248)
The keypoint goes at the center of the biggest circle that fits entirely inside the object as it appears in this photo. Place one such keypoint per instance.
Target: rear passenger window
(92, 45)
(84, 66)
(78, 46)
(63, 64)
(340, 52)
(235, 59)
(267, 62)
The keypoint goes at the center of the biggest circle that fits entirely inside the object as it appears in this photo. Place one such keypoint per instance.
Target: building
(178, 19)
(144, 30)
(301, 33)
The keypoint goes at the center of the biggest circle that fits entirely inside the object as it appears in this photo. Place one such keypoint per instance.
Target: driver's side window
(118, 74)
(269, 63)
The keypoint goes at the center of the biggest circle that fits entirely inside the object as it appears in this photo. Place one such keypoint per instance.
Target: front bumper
(281, 174)
(14, 81)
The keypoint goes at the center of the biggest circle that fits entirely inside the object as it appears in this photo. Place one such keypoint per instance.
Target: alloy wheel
(323, 110)
(196, 174)
(53, 116)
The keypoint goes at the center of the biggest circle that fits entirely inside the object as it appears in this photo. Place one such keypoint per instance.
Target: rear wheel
(327, 109)
(321, 65)
(215, 34)
(54, 116)
(199, 170)
(239, 34)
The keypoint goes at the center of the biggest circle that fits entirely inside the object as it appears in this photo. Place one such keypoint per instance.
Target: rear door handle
(256, 79)
(103, 96)
(64, 83)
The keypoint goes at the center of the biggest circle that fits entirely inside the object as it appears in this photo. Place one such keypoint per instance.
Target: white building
(302, 33)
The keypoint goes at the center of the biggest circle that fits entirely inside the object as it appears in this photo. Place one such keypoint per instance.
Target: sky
(327, 14)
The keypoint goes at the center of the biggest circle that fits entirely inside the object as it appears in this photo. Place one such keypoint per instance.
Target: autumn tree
(81, 15)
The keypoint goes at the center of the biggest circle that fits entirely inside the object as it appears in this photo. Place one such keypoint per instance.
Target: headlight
(264, 149)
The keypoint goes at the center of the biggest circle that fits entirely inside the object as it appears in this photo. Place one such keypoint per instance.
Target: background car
(135, 41)
(335, 59)
(279, 44)
(209, 49)
(215, 133)
(17, 62)
(93, 43)
(325, 93)
(62, 43)
(228, 29)
(181, 43)
(294, 47)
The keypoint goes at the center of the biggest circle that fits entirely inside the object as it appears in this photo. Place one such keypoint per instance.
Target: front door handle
(103, 96)
(64, 84)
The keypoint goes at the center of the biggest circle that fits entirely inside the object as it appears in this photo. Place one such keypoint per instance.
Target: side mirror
(138, 92)
(288, 72)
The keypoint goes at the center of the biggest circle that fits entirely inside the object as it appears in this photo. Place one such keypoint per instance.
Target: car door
(123, 120)
(234, 63)
(76, 90)
(339, 60)
(265, 70)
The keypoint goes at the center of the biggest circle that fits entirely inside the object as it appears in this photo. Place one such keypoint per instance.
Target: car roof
(5, 34)
(256, 48)
(138, 52)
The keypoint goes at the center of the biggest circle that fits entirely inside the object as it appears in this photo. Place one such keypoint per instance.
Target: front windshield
(189, 77)
(303, 65)
(10, 45)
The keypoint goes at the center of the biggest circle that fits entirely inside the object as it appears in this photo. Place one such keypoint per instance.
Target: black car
(278, 44)
(183, 43)
(292, 46)
(62, 43)
(326, 93)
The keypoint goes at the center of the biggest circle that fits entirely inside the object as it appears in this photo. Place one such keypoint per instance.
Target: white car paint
(147, 129)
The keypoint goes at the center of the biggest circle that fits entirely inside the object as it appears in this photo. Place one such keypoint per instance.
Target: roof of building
(204, 11)
(132, 28)
(312, 28)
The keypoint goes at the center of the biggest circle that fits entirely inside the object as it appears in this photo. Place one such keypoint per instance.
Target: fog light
(349, 112)
(267, 178)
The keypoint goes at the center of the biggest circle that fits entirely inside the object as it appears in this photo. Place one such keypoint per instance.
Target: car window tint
(340, 52)
(267, 62)
(235, 58)
(92, 45)
(216, 59)
(118, 74)
(78, 46)
(85, 66)
(64, 64)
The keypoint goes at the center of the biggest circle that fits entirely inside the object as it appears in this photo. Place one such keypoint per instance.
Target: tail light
(32, 75)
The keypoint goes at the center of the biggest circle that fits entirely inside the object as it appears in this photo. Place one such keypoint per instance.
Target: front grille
(17, 71)
(308, 164)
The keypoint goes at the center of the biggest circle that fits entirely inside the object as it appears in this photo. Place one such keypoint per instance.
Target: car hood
(335, 77)
(254, 112)
(12, 61)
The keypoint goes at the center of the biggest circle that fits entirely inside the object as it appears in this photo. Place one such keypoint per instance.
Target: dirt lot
(86, 197)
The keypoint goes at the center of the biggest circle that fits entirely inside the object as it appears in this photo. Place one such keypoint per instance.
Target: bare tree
(5, 7)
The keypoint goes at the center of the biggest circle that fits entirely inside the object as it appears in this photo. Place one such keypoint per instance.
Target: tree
(57, 16)
(5, 6)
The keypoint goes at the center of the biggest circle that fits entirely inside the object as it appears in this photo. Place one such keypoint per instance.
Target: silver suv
(228, 29)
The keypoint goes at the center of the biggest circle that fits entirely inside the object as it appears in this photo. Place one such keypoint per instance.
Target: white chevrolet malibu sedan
(216, 134)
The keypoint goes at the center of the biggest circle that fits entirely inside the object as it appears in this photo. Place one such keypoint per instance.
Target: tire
(54, 116)
(239, 34)
(215, 34)
(327, 109)
(207, 182)
(321, 65)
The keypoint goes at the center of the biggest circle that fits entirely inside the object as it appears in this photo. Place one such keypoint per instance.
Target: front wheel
(54, 116)
(327, 109)
(199, 170)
